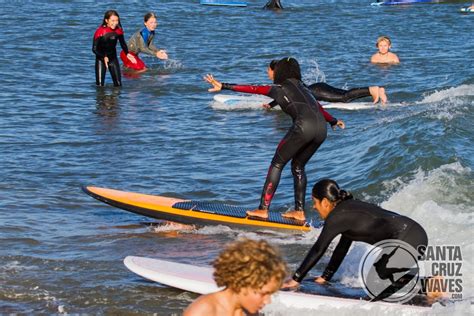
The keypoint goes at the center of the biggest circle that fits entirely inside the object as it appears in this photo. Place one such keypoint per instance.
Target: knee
(297, 169)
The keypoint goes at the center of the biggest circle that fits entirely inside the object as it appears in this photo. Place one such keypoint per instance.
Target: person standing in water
(384, 55)
(354, 220)
(302, 140)
(103, 46)
(142, 42)
(250, 272)
(325, 92)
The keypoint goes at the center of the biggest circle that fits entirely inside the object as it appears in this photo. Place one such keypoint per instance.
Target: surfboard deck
(191, 212)
(228, 3)
(198, 279)
(236, 101)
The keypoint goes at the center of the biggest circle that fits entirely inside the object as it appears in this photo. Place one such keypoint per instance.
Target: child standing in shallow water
(250, 272)
(103, 46)
(384, 56)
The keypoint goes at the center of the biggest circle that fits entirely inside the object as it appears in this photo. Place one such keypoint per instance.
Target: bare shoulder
(394, 58)
(202, 306)
(375, 58)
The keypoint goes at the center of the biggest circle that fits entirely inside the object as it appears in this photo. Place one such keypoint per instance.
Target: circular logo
(390, 271)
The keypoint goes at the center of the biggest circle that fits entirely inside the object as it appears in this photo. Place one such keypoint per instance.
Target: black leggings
(324, 92)
(114, 69)
(295, 147)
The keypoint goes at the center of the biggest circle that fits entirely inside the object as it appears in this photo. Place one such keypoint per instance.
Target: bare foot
(383, 96)
(298, 215)
(374, 92)
(258, 213)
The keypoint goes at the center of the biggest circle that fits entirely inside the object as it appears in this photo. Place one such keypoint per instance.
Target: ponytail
(330, 190)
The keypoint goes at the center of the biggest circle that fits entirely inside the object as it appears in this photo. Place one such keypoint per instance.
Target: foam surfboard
(191, 212)
(236, 101)
(467, 10)
(198, 279)
(224, 3)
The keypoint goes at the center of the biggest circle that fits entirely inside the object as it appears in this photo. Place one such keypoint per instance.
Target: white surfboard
(255, 101)
(199, 280)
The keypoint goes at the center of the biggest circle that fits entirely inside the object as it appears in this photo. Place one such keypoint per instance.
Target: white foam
(460, 91)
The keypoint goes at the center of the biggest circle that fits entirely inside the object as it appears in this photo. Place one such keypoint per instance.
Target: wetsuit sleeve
(95, 47)
(328, 233)
(328, 117)
(273, 104)
(142, 46)
(337, 256)
(123, 44)
(265, 90)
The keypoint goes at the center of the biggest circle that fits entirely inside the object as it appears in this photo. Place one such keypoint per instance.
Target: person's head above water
(383, 44)
(150, 21)
(326, 195)
(111, 19)
(286, 68)
(253, 269)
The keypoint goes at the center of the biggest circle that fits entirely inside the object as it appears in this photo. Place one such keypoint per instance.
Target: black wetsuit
(273, 5)
(301, 141)
(105, 41)
(359, 221)
(324, 92)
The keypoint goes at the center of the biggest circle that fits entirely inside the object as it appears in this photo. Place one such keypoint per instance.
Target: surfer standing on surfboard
(354, 220)
(325, 92)
(302, 140)
(250, 272)
(142, 42)
(103, 46)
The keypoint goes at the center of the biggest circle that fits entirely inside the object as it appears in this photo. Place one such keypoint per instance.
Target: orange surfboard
(191, 212)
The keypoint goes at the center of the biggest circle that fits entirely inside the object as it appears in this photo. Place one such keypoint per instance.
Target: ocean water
(61, 251)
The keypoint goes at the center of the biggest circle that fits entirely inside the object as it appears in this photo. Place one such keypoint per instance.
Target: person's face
(254, 300)
(270, 73)
(151, 24)
(383, 47)
(324, 207)
(112, 22)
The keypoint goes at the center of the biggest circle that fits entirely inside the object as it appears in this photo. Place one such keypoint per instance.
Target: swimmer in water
(142, 42)
(354, 220)
(384, 56)
(302, 140)
(103, 46)
(325, 92)
(250, 272)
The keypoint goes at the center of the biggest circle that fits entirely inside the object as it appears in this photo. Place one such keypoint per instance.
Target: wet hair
(330, 190)
(272, 64)
(107, 16)
(249, 263)
(287, 68)
(383, 38)
(148, 16)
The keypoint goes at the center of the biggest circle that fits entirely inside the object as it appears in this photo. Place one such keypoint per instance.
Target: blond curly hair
(248, 263)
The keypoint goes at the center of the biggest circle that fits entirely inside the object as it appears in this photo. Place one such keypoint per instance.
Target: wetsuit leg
(114, 68)
(298, 170)
(324, 92)
(100, 71)
(288, 147)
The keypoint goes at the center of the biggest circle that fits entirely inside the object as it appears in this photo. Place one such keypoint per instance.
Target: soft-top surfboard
(255, 101)
(228, 3)
(199, 280)
(191, 212)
